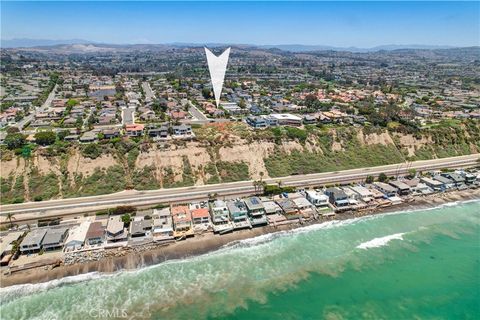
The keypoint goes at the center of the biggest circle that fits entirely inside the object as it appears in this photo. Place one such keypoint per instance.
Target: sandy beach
(135, 258)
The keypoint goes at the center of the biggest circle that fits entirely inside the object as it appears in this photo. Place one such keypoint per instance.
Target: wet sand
(133, 259)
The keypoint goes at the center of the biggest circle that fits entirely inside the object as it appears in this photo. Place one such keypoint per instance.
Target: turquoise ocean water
(422, 264)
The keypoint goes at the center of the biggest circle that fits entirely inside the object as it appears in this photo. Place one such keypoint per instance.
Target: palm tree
(10, 217)
(262, 185)
(255, 185)
(212, 196)
(259, 185)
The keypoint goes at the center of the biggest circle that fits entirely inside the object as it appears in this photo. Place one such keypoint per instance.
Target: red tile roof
(200, 213)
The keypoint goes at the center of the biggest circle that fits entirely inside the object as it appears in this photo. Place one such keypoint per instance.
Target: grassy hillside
(222, 153)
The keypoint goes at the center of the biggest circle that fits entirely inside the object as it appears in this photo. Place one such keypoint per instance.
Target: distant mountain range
(91, 45)
(29, 43)
(309, 48)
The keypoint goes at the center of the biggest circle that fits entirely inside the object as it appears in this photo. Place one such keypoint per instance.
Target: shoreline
(136, 258)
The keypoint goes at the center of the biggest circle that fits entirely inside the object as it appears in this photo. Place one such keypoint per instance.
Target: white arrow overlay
(217, 67)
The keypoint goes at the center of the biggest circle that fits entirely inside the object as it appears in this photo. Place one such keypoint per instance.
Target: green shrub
(273, 189)
(91, 150)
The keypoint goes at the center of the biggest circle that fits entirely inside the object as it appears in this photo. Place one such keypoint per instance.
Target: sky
(343, 24)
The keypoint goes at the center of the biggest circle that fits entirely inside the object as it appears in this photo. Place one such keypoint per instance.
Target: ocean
(422, 264)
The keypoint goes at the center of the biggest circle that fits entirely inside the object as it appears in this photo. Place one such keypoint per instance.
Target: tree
(15, 140)
(258, 185)
(126, 219)
(62, 134)
(212, 196)
(369, 179)
(382, 177)
(26, 151)
(122, 210)
(71, 103)
(206, 93)
(79, 123)
(242, 104)
(12, 130)
(412, 172)
(45, 138)
(10, 217)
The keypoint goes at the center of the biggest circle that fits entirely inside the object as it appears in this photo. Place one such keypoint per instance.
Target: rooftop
(96, 230)
(254, 203)
(54, 236)
(115, 225)
(200, 213)
(79, 233)
(34, 237)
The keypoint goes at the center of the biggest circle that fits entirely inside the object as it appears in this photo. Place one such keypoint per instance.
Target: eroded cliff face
(221, 156)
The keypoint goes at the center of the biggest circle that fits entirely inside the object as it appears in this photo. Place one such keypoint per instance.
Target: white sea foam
(29, 288)
(8, 293)
(333, 224)
(265, 238)
(380, 242)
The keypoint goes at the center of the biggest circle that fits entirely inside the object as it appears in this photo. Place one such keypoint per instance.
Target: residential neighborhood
(87, 106)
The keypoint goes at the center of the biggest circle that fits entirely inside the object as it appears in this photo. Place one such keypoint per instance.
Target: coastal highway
(76, 206)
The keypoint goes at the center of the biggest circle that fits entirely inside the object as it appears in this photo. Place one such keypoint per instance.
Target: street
(27, 119)
(53, 208)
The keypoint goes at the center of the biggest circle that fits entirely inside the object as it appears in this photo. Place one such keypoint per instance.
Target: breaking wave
(380, 242)
(243, 271)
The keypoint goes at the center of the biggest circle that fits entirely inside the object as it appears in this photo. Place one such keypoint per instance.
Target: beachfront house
(238, 214)
(364, 194)
(418, 187)
(386, 189)
(403, 189)
(317, 198)
(470, 178)
(305, 208)
(274, 212)
(201, 218)
(289, 208)
(256, 211)
(6, 246)
(162, 225)
(33, 241)
(116, 231)
(434, 184)
(220, 217)
(376, 194)
(140, 228)
(457, 179)
(182, 221)
(76, 237)
(54, 239)
(447, 183)
(271, 207)
(95, 234)
(337, 197)
(352, 196)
